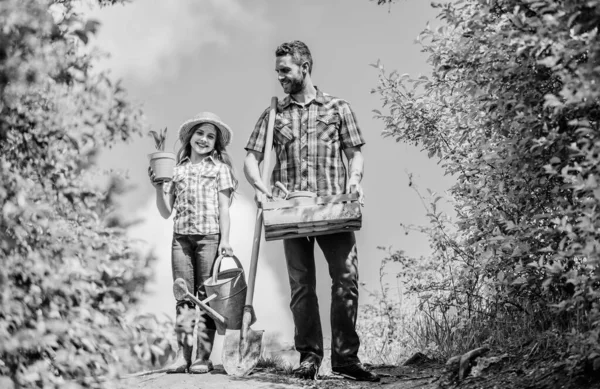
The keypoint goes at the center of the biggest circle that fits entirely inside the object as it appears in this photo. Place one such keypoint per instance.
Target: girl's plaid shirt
(196, 189)
(308, 142)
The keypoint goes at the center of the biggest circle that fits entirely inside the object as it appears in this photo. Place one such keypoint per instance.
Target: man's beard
(296, 85)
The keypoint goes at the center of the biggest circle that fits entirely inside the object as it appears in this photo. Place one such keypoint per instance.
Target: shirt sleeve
(350, 133)
(256, 142)
(225, 178)
(169, 186)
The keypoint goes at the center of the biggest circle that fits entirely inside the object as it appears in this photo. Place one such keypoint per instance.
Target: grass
(394, 327)
(275, 364)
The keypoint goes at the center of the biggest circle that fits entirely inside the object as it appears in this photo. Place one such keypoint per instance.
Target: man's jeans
(192, 258)
(341, 255)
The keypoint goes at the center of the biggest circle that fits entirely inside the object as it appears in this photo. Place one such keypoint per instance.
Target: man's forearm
(356, 163)
(356, 166)
(252, 173)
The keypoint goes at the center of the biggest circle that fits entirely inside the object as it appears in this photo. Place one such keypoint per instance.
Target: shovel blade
(240, 356)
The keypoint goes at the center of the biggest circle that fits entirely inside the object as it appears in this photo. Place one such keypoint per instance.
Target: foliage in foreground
(69, 273)
(511, 109)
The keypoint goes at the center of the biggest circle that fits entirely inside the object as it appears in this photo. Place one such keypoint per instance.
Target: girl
(200, 193)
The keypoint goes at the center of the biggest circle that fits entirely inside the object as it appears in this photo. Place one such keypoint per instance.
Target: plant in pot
(162, 162)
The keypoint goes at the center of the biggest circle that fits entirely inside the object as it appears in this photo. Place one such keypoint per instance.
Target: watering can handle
(217, 266)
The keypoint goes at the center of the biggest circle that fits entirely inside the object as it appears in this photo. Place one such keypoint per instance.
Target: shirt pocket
(208, 178)
(328, 127)
(283, 133)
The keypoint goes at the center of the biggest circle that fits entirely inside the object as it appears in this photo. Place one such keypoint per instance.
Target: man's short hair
(299, 52)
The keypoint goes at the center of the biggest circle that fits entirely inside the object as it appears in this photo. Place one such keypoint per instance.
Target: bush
(511, 109)
(69, 273)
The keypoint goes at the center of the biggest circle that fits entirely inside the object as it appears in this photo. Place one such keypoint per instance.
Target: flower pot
(162, 164)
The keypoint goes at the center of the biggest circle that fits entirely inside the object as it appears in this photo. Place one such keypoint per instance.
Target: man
(311, 131)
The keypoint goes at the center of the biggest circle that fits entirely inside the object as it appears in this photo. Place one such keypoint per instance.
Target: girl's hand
(225, 249)
(155, 184)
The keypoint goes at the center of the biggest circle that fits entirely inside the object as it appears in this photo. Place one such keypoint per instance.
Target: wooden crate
(310, 216)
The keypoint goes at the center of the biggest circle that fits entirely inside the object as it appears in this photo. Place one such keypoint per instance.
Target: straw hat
(207, 117)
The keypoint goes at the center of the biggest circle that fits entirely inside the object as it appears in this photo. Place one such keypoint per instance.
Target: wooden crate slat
(286, 219)
(306, 214)
(305, 201)
(303, 232)
(277, 236)
(314, 226)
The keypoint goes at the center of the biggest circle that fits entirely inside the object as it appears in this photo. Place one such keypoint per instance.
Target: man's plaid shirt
(308, 142)
(196, 189)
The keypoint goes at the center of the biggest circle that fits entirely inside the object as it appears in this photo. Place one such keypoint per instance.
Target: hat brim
(224, 130)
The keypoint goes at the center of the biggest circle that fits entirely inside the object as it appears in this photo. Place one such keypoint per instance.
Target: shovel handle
(269, 140)
(259, 212)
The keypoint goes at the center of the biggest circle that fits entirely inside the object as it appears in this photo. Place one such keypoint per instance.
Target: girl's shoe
(185, 321)
(182, 360)
(201, 367)
(202, 364)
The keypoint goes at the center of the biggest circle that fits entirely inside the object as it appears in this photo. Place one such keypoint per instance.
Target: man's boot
(202, 364)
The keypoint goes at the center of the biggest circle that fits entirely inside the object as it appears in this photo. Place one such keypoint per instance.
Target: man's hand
(355, 164)
(260, 197)
(354, 186)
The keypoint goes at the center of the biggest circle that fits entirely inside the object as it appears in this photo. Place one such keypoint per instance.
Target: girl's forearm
(224, 226)
(224, 219)
(164, 202)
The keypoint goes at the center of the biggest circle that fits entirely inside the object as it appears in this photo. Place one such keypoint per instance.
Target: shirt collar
(319, 98)
(210, 158)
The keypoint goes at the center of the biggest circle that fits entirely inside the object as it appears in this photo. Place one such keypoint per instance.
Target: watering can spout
(181, 292)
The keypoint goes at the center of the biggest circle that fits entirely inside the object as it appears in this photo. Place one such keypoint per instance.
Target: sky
(179, 58)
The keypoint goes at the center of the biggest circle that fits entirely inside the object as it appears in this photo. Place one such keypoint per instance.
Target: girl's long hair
(219, 153)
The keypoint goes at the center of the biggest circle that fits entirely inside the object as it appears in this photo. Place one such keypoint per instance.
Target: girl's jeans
(192, 258)
(341, 255)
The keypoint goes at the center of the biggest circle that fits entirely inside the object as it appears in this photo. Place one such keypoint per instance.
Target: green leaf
(81, 35)
(159, 138)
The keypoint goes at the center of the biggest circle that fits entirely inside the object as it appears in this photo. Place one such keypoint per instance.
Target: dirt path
(392, 377)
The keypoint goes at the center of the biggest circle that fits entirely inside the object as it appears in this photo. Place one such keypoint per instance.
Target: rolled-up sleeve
(256, 142)
(350, 133)
(225, 178)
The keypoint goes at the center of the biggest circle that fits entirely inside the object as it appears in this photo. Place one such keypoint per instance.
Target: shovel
(242, 348)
